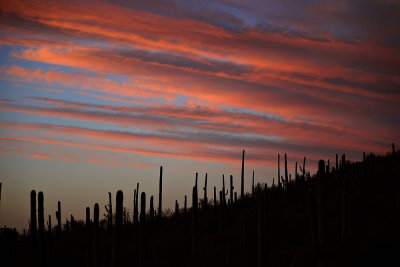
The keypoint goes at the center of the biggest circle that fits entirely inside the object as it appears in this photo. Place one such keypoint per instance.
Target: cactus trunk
(160, 194)
(252, 186)
(116, 253)
(205, 192)
(143, 207)
(242, 178)
(151, 208)
(231, 189)
(279, 171)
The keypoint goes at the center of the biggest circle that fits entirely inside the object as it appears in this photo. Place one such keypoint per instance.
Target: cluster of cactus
(228, 227)
(109, 212)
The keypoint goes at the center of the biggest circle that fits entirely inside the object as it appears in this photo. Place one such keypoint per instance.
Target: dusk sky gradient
(96, 95)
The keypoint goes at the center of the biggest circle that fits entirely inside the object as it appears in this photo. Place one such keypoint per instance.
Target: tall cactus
(58, 216)
(89, 241)
(33, 228)
(194, 226)
(109, 212)
(279, 171)
(195, 203)
(242, 178)
(223, 190)
(295, 173)
(95, 234)
(151, 209)
(176, 207)
(205, 192)
(231, 189)
(116, 253)
(304, 168)
(136, 204)
(143, 208)
(252, 186)
(41, 215)
(286, 173)
(160, 194)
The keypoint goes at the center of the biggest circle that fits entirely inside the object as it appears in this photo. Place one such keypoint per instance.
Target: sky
(95, 96)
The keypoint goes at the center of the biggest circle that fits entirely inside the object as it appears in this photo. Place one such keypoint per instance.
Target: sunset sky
(96, 95)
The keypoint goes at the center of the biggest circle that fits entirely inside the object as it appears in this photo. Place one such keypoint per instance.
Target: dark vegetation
(344, 215)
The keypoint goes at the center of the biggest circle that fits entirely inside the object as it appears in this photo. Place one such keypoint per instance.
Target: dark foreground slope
(345, 217)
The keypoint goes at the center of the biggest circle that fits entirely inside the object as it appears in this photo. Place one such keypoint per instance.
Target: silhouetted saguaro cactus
(109, 212)
(195, 203)
(41, 215)
(194, 227)
(136, 205)
(223, 190)
(142, 229)
(279, 171)
(242, 178)
(160, 194)
(252, 186)
(295, 173)
(33, 213)
(176, 207)
(95, 234)
(205, 192)
(235, 196)
(286, 172)
(58, 216)
(116, 253)
(304, 168)
(33, 228)
(231, 189)
(151, 209)
(143, 207)
(89, 241)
